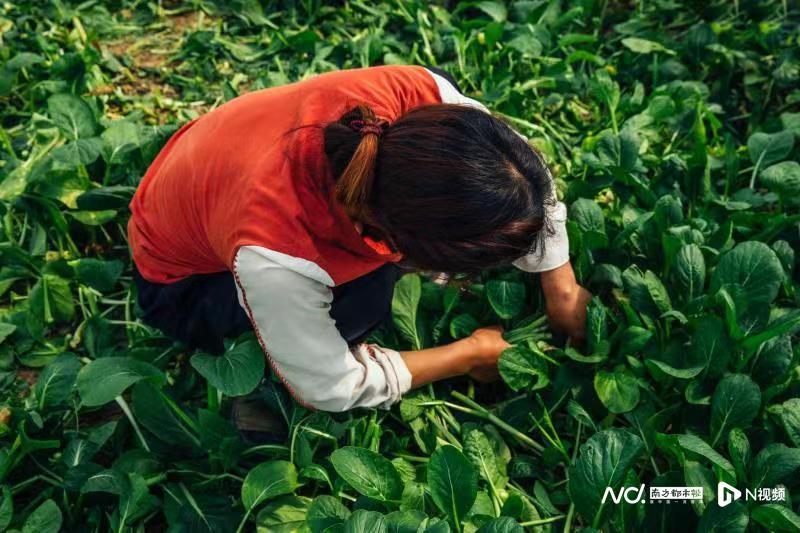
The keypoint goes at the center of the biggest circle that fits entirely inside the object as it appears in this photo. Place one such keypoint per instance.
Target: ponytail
(450, 187)
(351, 144)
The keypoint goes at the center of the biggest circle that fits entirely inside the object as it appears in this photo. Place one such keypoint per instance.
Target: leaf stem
(542, 521)
(244, 520)
(482, 412)
(443, 429)
(22, 485)
(754, 175)
(568, 522)
(127, 410)
(266, 448)
(577, 440)
(213, 397)
(180, 414)
(412, 458)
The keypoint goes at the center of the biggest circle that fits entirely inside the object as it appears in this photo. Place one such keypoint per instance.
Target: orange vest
(253, 173)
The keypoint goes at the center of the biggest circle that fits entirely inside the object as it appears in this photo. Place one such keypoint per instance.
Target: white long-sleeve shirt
(288, 300)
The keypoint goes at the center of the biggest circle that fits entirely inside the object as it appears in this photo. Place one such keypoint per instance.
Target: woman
(286, 209)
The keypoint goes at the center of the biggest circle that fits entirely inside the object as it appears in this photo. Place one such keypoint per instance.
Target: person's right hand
(486, 345)
(475, 355)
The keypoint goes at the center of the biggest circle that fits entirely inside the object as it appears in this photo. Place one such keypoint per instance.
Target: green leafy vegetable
(407, 294)
(507, 298)
(603, 461)
(671, 135)
(618, 390)
(369, 473)
(266, 481)
(453, 482)
(104, 379)
(522, 368)
(775, 517)
(736, 402)
(44, 519)
(236, 372)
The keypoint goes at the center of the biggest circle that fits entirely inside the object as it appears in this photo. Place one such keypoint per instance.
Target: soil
(148, 59)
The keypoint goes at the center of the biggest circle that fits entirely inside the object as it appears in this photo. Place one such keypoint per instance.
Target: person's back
(251, 171)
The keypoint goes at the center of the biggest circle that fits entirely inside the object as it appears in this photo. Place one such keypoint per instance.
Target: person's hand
(486, 345)
(475, 355)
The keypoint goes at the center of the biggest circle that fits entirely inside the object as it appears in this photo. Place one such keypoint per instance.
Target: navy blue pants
(202, 310)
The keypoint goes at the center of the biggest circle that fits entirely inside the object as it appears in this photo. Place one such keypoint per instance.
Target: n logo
(726, 494)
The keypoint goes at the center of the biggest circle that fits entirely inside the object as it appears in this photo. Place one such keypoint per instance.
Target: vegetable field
(673, 130)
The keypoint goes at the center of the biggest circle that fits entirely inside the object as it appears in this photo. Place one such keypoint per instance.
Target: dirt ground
(146, 59)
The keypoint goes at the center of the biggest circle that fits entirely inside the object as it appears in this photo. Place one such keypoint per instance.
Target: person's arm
(288, 302)
(566, 301)
(475, 355)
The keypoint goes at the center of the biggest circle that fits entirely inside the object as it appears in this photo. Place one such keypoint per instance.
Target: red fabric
(252, 173)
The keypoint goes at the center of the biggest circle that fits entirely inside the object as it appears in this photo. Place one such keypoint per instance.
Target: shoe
(255, 422)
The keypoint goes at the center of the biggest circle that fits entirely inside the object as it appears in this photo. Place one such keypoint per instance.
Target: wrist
(467, 354)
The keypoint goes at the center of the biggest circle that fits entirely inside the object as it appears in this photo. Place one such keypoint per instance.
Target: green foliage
(507, 298)
(522, 368)
(44, 519)
(604, 461)
(618, 390)
(104, 379)
(368, 472)
(237, 371)
(266, 481)
(775, 517)
(672, 131)
(407, 294)
(736, 402)
(453, 482)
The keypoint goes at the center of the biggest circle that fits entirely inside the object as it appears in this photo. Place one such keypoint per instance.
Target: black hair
(451, 187)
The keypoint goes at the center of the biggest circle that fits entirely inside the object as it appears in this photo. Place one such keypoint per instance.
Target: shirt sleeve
(449, 94)
(556, 246)
(289, 303)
